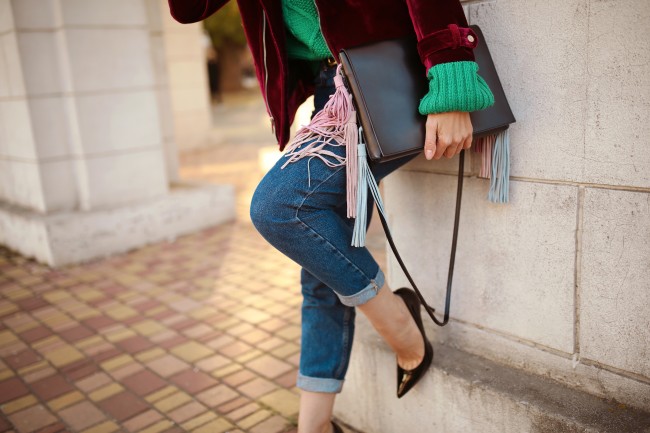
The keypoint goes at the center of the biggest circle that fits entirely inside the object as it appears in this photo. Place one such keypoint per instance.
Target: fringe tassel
(365, 181)
(336, 125)
(484, 146)
(500, 179)
(351, 166)
(495, 164)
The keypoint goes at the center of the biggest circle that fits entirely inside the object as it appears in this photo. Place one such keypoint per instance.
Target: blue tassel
(500, 177)
(365, 181)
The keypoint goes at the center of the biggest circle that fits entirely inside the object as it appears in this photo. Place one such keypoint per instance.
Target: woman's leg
(315, 412)
(301, 211)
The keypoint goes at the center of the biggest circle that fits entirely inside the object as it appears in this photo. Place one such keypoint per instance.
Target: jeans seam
(318, 234)
(345, 342)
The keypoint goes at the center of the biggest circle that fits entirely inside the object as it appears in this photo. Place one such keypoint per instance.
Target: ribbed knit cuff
(455, 86)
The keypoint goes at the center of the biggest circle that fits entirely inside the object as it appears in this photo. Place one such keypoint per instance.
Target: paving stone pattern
(197, 334)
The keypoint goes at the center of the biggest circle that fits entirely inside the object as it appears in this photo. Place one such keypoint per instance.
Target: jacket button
(470, 38)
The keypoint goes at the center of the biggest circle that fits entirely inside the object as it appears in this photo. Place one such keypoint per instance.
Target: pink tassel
(351, 169)
(484, 146)
(336, 125)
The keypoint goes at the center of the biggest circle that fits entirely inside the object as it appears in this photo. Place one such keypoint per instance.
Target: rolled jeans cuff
(319, 384)
(366, 294)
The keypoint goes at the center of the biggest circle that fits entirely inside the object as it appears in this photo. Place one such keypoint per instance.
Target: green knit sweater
(453, 86)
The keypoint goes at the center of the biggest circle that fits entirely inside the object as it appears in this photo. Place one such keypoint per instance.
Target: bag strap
(429, 309)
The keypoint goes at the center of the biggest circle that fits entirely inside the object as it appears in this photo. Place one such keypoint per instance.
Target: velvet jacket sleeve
(192, 11)
(445, 45)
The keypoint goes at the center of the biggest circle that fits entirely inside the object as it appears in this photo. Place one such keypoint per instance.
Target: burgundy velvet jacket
(439, 25)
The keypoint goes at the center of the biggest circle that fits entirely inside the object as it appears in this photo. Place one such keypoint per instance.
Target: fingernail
(428, 153)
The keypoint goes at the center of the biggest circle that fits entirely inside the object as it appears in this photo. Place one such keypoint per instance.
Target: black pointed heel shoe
(336, 428)
(406, 379)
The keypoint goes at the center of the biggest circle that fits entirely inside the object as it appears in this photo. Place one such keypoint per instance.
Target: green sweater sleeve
(455, 86)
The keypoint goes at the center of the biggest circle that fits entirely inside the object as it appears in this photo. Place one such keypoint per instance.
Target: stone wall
(557, 282)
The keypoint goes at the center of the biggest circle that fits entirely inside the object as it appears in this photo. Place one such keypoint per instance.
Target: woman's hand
(447, 134)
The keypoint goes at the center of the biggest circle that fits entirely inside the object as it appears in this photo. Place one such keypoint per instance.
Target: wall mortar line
(578, 273)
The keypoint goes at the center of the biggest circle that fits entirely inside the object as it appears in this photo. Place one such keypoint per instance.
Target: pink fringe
(336, 125)
(484, 146)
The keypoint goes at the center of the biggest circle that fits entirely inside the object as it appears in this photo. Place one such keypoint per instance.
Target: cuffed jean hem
(366, 294)
(318, 384)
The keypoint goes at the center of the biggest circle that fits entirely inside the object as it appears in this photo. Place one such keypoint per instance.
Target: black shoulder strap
(427, 307)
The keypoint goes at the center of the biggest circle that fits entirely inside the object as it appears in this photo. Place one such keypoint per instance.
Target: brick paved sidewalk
(200, 334)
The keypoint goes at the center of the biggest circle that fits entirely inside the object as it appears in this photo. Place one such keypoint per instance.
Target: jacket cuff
(452, 44)
(455, 86)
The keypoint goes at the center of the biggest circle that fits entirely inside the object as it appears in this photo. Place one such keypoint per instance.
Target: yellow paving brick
(198, 421)
(56, 320)
(120, 334)
(158, 427)
(105, 391)
(7, 337)
(254, 419)
(173, 401)
(225, 371)
(160, 277)
(31, 280)
(228, 323)
(4, 374)
(32, 367)
(16, 272)
(89, 294)
(205, 283)
(148, 327)
(191, 351)
(126, 279)
(18, 404)
(289, 332)
(169, 389)
(47, 341)
(150, 354)
(286, 350)
(120, 312)
(67, 282)
(217, 426)
(65, 400)
(251, 354)
(281, 401)
(105, 427)
(90, 276)
(203, 313)
(63, 356)
(55, 296)
(16, 295)
(89, 341)
(127, 296)
(25, 326)
(117, 362)
(156, 310)
(134, 267)
(85, 313)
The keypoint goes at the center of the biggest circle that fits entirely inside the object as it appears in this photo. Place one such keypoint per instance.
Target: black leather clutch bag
(386, 80)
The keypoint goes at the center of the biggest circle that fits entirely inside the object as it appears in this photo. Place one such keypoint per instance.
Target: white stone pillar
(184, 56)
(85, 125)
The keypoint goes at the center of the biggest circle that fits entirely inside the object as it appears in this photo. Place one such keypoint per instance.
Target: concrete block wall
(557, 282)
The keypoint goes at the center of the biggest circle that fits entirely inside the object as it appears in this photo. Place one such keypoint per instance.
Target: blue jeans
(301, 211)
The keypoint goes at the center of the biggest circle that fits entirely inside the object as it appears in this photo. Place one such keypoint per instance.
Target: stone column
(184, 56)
(86, 142)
